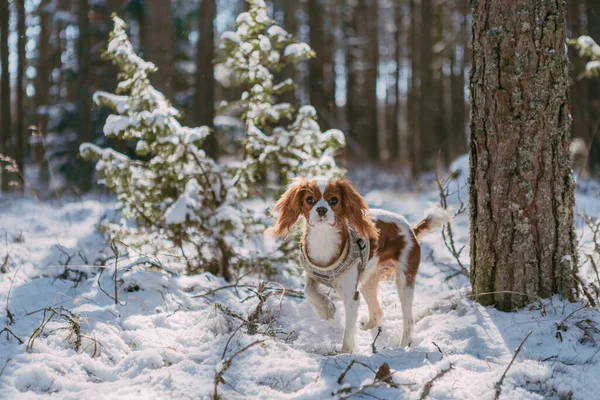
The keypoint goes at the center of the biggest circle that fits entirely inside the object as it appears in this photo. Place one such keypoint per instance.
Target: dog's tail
(435, 217)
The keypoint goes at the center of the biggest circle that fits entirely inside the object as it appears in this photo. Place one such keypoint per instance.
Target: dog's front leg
(322, 305)
(346, 288)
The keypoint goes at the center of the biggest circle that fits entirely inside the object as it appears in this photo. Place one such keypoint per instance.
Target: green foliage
(587, 47)
(278, 138)
(171, 193)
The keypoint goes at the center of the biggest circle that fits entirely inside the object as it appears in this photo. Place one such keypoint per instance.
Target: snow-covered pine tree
(277, 137)
(171, 187)
(589, 48)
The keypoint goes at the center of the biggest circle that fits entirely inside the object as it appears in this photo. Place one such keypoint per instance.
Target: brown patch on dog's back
(414, 259)
(388, 248)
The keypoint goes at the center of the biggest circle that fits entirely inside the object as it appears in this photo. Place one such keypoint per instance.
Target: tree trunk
(593, 28)
(393, 131)
(332, 23)
(42, 83)
(370, 119)
(84, 97)
(458, 140)
(5, 102)
(315, 77)
(205, 82)
(351, 53)
(291, 26)
(438, 93)
(159, 44)
(521, 190)
(581, 126)
(19, 132)
(428, 145)
(414, 94)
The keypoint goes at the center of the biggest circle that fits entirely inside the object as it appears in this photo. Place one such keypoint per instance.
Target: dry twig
(498, 385)
(429, 385)
(226, 364)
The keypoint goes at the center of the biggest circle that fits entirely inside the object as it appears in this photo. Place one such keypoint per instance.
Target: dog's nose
(321, 211)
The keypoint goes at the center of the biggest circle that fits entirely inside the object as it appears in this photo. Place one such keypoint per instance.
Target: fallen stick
(517, 351)
(429, 385)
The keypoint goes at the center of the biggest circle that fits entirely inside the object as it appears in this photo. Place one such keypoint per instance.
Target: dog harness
(355, 252)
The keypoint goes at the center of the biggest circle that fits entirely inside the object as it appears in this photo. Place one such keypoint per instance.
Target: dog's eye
(333, 201)
(310, 200)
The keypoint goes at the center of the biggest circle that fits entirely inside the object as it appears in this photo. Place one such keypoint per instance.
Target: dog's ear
(290, 207)
(355, 210)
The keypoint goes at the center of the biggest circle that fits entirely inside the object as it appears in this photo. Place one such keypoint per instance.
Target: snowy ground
(162, 342)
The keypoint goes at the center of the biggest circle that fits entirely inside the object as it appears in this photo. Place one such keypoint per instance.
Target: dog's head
(321, 201)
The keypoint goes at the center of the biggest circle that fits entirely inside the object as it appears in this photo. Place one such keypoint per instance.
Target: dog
(351, 248)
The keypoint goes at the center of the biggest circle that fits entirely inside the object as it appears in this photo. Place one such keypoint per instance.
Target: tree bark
(84, 96)
(205, 82)
(458, 139)
(319, 87)
(428, 145)
(291, 26)
(5, 97)
(370, 126)
(351, 53)
(393, 131)
(159, 44)
(414, 94)
(439, 151)
(521, 189)
(19, 132)
(42, 83)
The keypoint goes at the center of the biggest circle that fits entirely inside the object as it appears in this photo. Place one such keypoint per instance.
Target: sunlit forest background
(392, 74)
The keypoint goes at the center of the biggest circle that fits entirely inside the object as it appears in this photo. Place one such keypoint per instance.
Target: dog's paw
(327, 311)
(348, 348)
(373, 322)
(367, 325)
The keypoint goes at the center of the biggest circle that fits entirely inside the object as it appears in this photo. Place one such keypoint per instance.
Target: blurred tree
(440, 43)
(369, 113)
(426, 131)
(362, 61)
(320, 97)
(593, 27)
(393, 130)
(205, 81)
(159, 44)
(414, 92)
(84, 95)
(290, 24)
(5, 97)
(456, 129)
(19, 131)
(581, 126)
(42, 84)
(521, 189)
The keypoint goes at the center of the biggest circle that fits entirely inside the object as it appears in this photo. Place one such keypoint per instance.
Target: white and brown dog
(349, 247)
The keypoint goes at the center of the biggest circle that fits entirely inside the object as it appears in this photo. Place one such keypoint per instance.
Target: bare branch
(517, 351)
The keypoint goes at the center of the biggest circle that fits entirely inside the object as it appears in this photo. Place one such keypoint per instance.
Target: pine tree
(589, 48)
(171, 188)
(251, 57)
(171, 183)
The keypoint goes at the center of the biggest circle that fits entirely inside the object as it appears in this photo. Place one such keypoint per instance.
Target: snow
(185, 205)
(162, 342)
(296, 49)
(115, 124)
(275, 31)
(231, 36)
(592, 65)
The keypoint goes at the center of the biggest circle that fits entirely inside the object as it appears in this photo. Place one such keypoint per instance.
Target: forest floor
(162, 342)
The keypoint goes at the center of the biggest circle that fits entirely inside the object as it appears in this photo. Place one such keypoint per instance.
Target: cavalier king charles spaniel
(351, 248)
